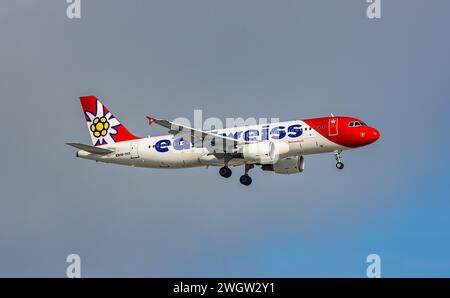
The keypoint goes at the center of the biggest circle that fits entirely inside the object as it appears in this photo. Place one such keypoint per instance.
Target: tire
(245, 180)
(225, 172)
(340, 165)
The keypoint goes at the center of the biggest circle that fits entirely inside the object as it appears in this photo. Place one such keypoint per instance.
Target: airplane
(276, 147)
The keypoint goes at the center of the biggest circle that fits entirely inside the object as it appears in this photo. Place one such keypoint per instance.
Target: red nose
(372, 135)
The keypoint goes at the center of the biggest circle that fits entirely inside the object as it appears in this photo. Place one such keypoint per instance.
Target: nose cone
(372, 135)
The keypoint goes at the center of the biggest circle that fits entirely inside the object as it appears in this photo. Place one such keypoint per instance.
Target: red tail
(103, 127)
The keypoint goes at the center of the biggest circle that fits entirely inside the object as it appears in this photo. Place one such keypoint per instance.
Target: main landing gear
(225, 172)
(339, 163)
(246, 179)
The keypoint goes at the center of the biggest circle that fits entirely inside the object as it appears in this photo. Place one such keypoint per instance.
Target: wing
(90, 149)
(213, 142)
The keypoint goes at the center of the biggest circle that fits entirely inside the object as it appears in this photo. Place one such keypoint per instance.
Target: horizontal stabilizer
(90, 149)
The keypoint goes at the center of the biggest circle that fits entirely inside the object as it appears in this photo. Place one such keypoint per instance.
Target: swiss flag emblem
(333, 127)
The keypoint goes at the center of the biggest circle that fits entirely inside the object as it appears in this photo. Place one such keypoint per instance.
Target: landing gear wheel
(337, 156)
(225, 172)
(245, 180)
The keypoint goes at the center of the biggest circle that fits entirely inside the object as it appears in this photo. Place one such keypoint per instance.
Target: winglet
(151, 120)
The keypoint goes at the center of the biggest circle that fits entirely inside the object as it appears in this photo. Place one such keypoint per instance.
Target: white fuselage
(170, 151)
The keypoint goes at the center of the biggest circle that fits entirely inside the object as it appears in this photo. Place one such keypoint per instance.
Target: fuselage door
(134, 150)
(333, 127)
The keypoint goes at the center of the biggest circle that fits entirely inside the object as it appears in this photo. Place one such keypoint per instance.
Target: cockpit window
(356, 123)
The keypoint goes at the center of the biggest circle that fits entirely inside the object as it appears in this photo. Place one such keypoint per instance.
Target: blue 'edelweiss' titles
(263, 134)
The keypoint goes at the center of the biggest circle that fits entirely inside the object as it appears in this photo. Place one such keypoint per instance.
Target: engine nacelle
(257, 152)
(278, 150)
(267, 152)
(288, 165)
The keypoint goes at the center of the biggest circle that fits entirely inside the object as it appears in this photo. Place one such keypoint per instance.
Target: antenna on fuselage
(331, 114)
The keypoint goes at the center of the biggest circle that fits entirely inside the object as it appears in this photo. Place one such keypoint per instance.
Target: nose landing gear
(339, 163)
(246, 179)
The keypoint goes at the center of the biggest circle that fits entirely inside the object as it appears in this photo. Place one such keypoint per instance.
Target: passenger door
(134, 150)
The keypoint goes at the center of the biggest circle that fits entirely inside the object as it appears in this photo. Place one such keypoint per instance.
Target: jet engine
(267, 152)
(288, 165)
(257, 152)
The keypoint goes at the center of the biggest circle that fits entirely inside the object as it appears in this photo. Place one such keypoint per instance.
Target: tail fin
(103, 127)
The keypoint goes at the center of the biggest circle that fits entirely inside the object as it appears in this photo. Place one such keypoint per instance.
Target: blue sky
(285, 59)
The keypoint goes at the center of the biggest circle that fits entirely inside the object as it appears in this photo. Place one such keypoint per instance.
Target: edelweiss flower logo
(102, 125)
